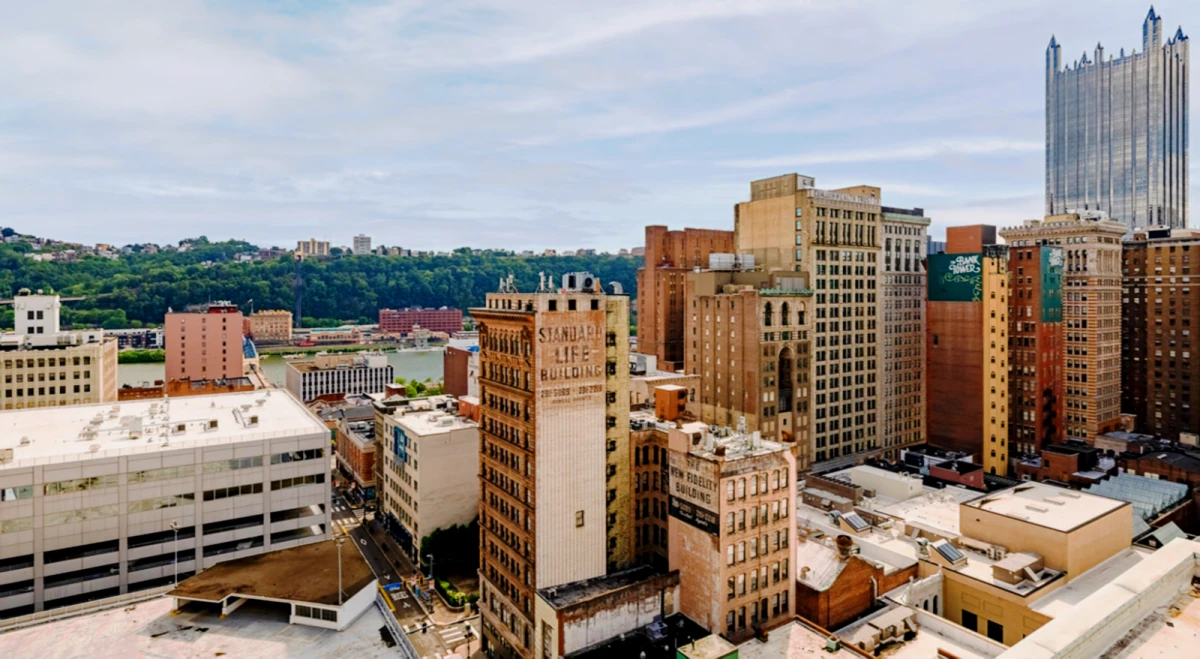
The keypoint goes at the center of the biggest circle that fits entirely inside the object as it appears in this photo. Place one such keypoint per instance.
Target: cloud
(514, 123)
(923, 151)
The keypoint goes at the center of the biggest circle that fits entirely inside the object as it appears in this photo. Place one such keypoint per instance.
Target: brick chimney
(844, 546)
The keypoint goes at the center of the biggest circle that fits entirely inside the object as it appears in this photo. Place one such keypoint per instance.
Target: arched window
(785, 314)
(768, 313)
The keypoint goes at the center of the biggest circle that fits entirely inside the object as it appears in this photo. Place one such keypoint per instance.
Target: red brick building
(457, 370)
(670, 255)
(834, 585)
(356, 455)
(1036, 347)
(401, 321)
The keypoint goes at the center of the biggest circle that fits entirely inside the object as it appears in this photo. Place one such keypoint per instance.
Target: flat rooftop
(935, 510)
(104, 430)
(1045, 505)
(433, 422)
(573, 593)
(147, 629)
(935, 636)
(308, 573)
(1063, 599)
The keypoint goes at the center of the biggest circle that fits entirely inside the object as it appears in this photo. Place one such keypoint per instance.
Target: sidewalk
(440, 615)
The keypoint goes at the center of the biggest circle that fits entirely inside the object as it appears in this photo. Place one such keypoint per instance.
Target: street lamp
(339, 541)
(175, 548)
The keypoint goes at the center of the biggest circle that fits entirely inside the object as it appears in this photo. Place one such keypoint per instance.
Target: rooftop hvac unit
(260, 402)
(6, 455)
(996, 552)
(25, 441)
(94, 447)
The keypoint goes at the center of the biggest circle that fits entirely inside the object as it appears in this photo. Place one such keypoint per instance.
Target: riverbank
(141, 357)
(355, 347)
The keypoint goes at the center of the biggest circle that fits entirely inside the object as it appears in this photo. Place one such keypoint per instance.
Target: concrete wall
(603, 618)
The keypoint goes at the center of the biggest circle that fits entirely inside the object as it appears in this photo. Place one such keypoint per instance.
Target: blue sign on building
(400, 444)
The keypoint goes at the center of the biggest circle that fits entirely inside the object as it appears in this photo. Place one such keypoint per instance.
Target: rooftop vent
(25, 441)
(94, 447)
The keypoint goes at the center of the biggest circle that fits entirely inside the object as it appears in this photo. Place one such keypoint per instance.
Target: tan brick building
(1161, 318)
(747, 338)
(902, 286)
(43, 366)
(730, 528)
(1091, 313)
(669, 257)
(270, 326)
(831, 239)
(555, 504)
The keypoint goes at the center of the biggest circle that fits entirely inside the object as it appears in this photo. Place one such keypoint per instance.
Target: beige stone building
(747, 338)
(832, 240)
(429, 476)
(555, 505)
(312, 248)
(1091, 314)
(902, 286)
(204, 342)
(43, 366)
(270, 326)
(730, 528)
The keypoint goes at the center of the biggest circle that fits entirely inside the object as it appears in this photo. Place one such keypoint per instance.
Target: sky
(516, 124)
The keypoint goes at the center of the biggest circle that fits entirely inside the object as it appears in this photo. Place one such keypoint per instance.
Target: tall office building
(748, 341)
(670, 256)
(831, 239)
(1036, 347)
(1116, 131)
(967, 346)
(1091, 314)
(43, 366)
(1160, 318)
(554, 498)
(362, 245)
(903, 290)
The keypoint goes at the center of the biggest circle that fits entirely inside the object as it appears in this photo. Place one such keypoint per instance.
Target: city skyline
(422, 124)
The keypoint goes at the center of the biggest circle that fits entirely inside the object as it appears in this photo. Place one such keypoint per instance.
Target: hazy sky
(519, 124)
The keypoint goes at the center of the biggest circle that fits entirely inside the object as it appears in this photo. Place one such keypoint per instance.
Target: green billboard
(955, 277)
(1052, 280)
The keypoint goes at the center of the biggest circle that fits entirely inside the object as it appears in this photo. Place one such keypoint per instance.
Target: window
(298, 456)
(80, 485)
(970, 620)
(995, 631)
(165, 473)
(240, 490)
(285, 483)
(578, 518)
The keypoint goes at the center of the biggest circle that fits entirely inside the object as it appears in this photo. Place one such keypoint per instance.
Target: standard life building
(1116, 131)
(89, 493)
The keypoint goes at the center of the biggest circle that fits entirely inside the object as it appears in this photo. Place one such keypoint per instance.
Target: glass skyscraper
(1117, 131)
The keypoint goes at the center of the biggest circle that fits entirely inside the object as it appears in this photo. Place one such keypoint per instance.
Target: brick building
(270, 326)
(748, 341)
(1160, 316)
(1091, 314)
(834, 584)
(356, 455)
(669, 256)
(401, 321)
(1036, 347)
(730, 529)
(830, 239)
(460, 370)
(967, 347)
(554, 500)
(902, 286)
(649, 441)
(204, 342)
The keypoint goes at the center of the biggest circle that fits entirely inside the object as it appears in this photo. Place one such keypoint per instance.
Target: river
(421, 365)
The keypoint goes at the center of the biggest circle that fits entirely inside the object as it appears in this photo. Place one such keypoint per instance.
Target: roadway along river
(408, 365)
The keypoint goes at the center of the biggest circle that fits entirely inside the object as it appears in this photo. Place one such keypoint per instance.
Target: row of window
(43, 362)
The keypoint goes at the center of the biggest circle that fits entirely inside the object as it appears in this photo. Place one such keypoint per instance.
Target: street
(440, 639)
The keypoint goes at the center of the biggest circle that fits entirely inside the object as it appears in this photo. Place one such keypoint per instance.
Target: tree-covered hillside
(138, 289)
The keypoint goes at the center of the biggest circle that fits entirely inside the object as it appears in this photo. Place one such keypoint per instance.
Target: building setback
(43, 366)
(1160, 317)
(748, 341)
(554, 504)
(339, 374)
(1091, 314)
(204, 342)
(831, 239)
(669, 257)
(967, 346)
(903, 289)
(401, 321)
(1116, 131)
(90, 492)
(1036, 347)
